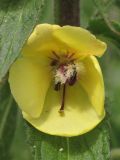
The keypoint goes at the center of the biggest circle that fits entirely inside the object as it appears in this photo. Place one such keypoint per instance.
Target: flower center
(66, 71)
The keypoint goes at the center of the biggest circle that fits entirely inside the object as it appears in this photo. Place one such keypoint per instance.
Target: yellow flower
(57, 81)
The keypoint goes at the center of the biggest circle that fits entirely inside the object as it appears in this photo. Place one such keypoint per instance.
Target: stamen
(63, 99)
(73, 79)
(71, 55)
(54, 62)
(55, 54)
(57, 86)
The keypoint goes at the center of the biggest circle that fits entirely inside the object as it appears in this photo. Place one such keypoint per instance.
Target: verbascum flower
(57, 81)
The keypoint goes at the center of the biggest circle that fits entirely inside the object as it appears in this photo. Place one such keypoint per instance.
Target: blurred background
(103, 19)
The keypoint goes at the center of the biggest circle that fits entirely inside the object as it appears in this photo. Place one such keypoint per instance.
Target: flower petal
(42, 39)
(92, 82)
(79, 116)
(81, 40)
(29, 81)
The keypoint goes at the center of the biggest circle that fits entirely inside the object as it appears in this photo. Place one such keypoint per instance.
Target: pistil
(63, 99)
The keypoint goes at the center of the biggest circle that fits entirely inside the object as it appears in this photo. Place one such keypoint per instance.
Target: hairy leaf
(17, 20)
(99, 27)
(8, 114)
(91, 146)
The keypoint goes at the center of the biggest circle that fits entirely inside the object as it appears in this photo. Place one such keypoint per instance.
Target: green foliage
(111, 68)
(87, 11)
(8, 114)
(106, 24)
(20, 144)
(117, 2)
(91, 146)
(99, 27)
(17, 20)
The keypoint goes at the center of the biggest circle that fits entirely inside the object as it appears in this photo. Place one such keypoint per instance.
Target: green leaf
(91, 146)
(17, 20)
(8, 114)
(87, 11)
(100, 6)
(117, 3)
(99, 27)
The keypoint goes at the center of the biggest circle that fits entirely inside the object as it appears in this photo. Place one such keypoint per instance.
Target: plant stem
(67, 12)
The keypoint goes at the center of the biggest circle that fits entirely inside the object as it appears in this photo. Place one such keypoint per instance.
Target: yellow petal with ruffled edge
(92, 82)
(29, 82)
(79, 116)
(42, 39)
(81, 40)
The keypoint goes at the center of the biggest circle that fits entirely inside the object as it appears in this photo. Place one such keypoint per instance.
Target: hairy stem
(67, 12)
